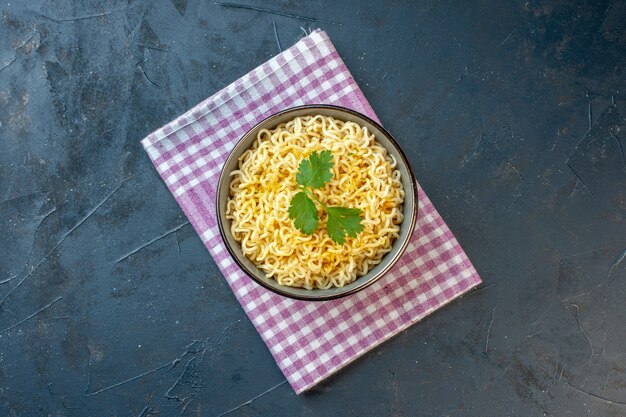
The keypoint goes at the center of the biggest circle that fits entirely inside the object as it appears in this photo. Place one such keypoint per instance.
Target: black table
(511, 114)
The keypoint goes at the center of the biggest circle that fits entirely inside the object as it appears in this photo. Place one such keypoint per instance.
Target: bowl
(384, 138)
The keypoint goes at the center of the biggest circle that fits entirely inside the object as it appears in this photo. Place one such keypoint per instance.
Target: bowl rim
(365, 283)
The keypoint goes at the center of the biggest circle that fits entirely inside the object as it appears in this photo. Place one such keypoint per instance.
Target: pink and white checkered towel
(309, 340)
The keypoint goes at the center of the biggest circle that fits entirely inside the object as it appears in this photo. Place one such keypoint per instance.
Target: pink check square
(308, 340)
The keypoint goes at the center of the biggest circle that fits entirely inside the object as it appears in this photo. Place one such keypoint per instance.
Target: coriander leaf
(316, 170)
(342, 221)
(303, 212)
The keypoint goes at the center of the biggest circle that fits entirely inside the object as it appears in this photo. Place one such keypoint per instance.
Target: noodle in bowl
(369, 172)
(364, 176)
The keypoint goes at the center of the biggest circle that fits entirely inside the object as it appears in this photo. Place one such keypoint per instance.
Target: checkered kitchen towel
(309, 340)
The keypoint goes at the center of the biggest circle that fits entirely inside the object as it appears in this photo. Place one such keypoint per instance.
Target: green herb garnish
(315, 172)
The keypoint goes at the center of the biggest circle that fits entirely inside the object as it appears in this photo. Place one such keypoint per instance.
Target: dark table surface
(512, 114)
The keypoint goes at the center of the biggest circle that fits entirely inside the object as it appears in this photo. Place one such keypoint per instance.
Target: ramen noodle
(364, 177)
